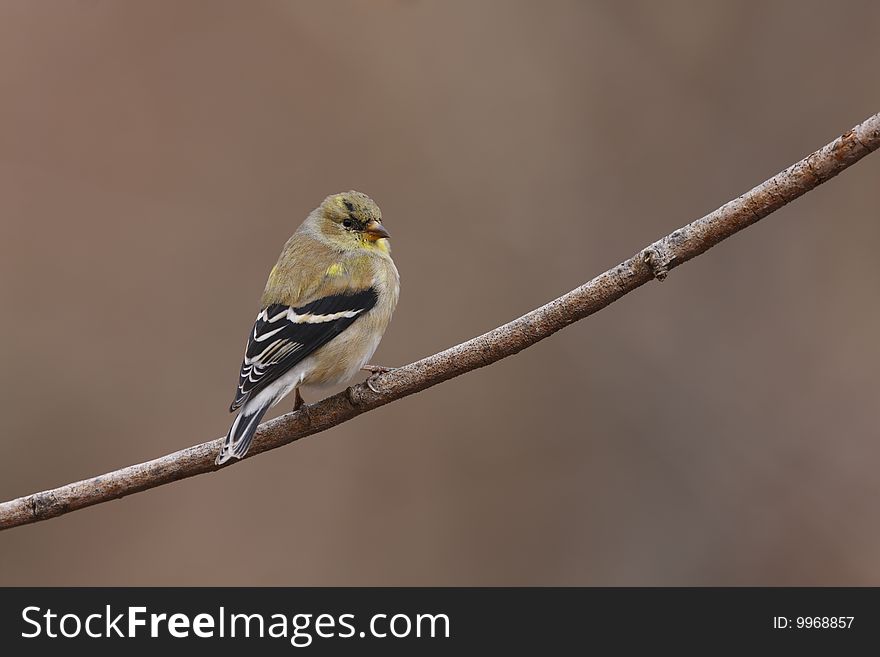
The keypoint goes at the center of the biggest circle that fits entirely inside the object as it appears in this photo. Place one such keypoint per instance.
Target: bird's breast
(340, 359)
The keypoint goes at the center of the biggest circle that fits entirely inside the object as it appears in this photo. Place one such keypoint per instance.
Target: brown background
(721, 428)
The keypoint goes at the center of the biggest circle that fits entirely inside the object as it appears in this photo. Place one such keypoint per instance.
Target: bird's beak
(376, 231)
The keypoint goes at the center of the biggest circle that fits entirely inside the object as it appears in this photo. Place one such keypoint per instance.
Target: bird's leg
(375, 371)
(298, 401)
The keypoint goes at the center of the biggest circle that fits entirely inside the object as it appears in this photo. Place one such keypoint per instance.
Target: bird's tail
(241, 433)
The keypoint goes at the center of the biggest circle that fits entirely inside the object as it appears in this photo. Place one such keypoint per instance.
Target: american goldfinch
(327, 302)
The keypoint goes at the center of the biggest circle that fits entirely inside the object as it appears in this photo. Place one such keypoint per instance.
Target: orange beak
(376, 231)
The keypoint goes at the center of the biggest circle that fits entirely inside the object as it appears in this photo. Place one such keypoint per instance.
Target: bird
(323, 312)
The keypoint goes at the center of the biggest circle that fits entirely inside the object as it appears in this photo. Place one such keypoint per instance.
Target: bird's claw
(375, 370)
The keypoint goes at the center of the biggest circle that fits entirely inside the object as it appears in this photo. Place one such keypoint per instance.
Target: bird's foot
(375, 372)
(298, 401)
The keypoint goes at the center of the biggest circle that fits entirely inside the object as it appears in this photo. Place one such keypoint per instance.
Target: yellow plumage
(326, 305)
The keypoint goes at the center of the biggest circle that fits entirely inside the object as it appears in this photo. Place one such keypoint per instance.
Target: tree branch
(655, 261)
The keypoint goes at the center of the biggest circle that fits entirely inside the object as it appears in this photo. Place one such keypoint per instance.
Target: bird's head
(352, 220)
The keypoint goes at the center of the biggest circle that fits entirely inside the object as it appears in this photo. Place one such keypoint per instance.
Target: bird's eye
(348, 223)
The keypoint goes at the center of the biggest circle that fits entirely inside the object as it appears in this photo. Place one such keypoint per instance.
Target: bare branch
(655, 261)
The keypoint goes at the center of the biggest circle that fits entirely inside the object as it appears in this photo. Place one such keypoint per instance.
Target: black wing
(283, 336)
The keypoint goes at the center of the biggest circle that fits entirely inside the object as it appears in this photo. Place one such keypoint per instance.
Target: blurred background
(718, 429)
